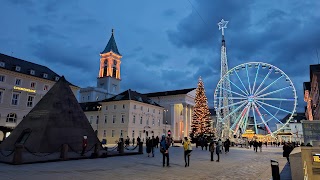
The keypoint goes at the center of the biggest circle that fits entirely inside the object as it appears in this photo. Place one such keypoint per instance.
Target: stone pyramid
(55, 120)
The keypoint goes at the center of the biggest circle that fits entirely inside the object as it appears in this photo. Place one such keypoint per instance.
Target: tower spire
(223, 25)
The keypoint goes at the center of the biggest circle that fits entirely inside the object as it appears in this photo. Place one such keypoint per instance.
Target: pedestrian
(84, 144)
(153, 144)
(133, 141)
(286, 151)
(164, 149)
(218, 150)
(260, 146)
(226, 146)
(211, 149)
(255, 146)
(138, 140)
(149, 146)
(187, 151)
(220, 145)
(157, 141)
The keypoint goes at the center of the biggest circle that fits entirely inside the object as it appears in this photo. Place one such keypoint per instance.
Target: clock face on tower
(115, 62)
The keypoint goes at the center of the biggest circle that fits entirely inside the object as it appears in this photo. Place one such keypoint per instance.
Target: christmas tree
(201, 121)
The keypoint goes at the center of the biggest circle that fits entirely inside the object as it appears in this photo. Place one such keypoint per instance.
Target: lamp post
(166, 121)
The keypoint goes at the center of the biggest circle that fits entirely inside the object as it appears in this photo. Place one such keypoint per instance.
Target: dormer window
(32, 72)
(56, 78)
(2, 64)
(45, 75)
(18, 68)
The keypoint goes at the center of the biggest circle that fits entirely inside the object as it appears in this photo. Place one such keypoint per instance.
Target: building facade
(178, 108)
(22, 85)
(108, 81)
(311, 93)
(127, 114)
(292, 132)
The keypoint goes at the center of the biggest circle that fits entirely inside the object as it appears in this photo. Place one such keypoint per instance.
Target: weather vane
(222, 25)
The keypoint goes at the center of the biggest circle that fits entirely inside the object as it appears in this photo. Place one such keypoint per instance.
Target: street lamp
(165, 117)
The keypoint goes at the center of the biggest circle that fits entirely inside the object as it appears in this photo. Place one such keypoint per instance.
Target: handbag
(162, 150)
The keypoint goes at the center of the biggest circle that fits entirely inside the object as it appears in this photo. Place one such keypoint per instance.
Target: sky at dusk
(166, 45)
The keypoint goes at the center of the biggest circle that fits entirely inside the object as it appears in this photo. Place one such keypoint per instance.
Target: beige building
(22, 85)
(126, 114)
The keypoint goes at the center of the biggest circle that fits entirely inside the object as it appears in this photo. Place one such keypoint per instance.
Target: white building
(292, 132)
(22, 85)
(127, 114)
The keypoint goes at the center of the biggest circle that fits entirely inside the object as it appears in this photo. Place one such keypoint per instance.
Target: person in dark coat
(286, 151)
(149, 145)
(218, 150)
(84, 144)
(164, 144)
(211, 149)
(138, 140)
(255, 146)
(157, 141)
(226, 146)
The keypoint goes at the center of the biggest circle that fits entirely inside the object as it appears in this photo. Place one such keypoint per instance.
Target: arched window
(105, 69)
(12, 118)
(114, 72)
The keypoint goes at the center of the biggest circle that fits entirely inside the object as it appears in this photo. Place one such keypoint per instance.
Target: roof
(313, 69)
(90, 106)
(131, 95)
(170, 93)
(306, 86)
(297, 116)
(11, 63)
(111, 46)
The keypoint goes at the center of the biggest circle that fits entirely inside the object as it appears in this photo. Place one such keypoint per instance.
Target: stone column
(189, 119)
(172, 121)
(185, 121)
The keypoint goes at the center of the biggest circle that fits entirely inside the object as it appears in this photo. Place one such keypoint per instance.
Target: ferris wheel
(263, 99)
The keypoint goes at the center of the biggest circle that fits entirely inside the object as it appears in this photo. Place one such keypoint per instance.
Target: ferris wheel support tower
(223, 126)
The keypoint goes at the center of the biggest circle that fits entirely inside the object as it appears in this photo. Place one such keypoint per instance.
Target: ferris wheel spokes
(269, 113)
(261, 117)
(238, 120)
(274, 99)
(235, 110)
(236, 98)
(237, 86)
(248, 79)
(264, 79)
(255, 79)
(272, 92)
(233, 104)
(257, 93)
(274, 107)
(233, 92)
(241, 81)
(254, 119)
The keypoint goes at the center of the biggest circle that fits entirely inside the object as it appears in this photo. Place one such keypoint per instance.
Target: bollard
(64, 152)
(17, 157)
(121, 147)
(140, 147)
(275, 170)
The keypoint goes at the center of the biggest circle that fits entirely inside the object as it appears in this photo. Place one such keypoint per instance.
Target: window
(114, 119)
(121, 133)
(2, 64)
(147, 121)
(112, 133)
(2, 78)
(82, 98)
(18, 82)
(123, 106)
(97, 121)
(91, 119)
(32, 72)
(56, 78)
(30, 101)
(141, 108)
(45, 87)
(105, 119)
(45, 75)
(134, 106)
(33, 85)
(15, 99)
(141, 120)
(88, 98)
(11, 118)
(24, 136)
(104, 133)
(148, 109)
(140, 134)
(132, 133)
(106, 107)
(134, 116)
(114, 106)
(114, 72)
(159, 111)
(122, 118)
(152, 122)
(115, 62)
(1, 94)
(159, 122)
(154, 110)
(18, 68)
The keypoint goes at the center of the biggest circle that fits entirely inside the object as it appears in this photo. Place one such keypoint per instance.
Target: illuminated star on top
(222, 25)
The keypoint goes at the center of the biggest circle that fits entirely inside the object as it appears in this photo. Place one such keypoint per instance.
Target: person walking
(164, 148)
(138, 140)
(157, 141)
(255, 146)
(218, 150)
(153, 144)
(260, 146)
(84, 144)
(286, 151)
(187, 150)
(226, 146)
(220, 145)
(133, 141)
(149, 146)
(211, 149)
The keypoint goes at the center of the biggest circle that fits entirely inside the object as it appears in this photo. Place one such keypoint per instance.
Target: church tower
(109, 72)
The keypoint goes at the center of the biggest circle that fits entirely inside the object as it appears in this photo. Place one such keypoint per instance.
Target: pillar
(172, 121)
(185, 121)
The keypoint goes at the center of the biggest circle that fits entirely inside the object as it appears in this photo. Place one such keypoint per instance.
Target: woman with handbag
(187, 150)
